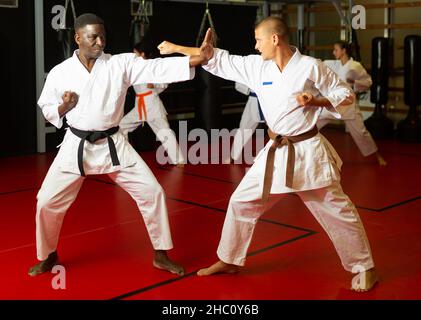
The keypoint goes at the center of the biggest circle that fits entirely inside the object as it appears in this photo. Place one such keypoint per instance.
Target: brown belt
(279, 142)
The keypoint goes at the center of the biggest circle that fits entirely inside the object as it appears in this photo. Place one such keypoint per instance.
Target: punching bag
(65, 33)
(208, 112)
(409, 130)
(138, 29)
(378, 124)
(65, 37)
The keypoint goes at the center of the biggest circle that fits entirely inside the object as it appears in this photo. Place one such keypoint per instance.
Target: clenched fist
(304, 99)
(167, 47)
(70, 99)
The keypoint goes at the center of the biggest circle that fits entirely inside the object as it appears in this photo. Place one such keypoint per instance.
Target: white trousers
(329, 205)
(356, 128)
(162, 130)
(59, 191)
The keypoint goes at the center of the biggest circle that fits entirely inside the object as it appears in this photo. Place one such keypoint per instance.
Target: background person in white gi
(90, 89)
(354, 73)
(250, 119)
(286, 84)
(149, 108)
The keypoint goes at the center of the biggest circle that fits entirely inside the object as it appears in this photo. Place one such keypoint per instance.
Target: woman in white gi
(354, 73)
(89, 89)
(149, 108)
(292, 90)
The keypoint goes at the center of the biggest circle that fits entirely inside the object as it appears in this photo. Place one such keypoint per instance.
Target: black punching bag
(409, 130)
(378, 124)
(65, 37)
(208, 113)
(138, 30)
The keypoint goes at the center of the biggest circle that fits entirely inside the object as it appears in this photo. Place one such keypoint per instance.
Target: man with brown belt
(292, 89)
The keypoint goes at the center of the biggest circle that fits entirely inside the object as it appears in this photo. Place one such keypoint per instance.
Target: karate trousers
(356, 128)
(59, 191)
(329, 205)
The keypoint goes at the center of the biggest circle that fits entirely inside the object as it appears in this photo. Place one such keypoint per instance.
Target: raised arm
(167, 70)
(167, 47)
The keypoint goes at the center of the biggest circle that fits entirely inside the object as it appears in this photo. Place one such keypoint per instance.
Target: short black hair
(147, 48)
(87, 18)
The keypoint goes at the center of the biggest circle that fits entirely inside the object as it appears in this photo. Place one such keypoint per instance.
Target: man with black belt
(89, 89)
(292, 90)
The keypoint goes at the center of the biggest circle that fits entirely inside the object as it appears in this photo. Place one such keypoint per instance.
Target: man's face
(265, 42)
(91, 40)
(338, 52)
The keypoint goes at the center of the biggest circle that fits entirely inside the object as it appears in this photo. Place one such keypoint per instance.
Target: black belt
(93, 136)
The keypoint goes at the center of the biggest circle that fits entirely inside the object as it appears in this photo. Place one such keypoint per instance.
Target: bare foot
(219, 267)
(364, 281)
(163, 262)
(45, 265)
(180, 165)
(380, 160)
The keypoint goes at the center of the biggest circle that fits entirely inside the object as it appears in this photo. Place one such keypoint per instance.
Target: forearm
(187, 51)
(321, 102)
(196, 61)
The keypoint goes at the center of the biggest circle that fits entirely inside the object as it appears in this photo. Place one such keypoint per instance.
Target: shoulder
(60, 69)
(120, 57)
(330, 63)
(355, 65)
(311, 62)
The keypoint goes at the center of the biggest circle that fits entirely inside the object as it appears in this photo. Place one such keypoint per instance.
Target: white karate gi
(354, 121)
(317, 165)
(250, 119)
(156, 117)
(101, 102)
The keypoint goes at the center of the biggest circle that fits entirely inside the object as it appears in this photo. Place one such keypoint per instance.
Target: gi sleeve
(338, 92)
(242, 69)
(160, 70)
(362, 80)
(50, 100)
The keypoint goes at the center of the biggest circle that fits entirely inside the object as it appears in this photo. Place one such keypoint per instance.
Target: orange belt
(278, 142)
(141, 106)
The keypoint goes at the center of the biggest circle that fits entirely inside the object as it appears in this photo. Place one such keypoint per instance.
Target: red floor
(107, 254)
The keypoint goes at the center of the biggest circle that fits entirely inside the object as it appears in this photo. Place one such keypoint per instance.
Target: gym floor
(106, 252)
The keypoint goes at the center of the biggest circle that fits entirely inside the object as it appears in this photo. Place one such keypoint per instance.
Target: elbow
(349, 100)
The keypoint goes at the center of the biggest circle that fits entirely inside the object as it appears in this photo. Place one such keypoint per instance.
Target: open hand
(206, 49)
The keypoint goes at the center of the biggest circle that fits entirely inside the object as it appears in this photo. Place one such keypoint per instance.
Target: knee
(44, 202)
(48, 201)
(157, 191)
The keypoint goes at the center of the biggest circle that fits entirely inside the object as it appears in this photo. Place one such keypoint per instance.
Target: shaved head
(274, 25)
